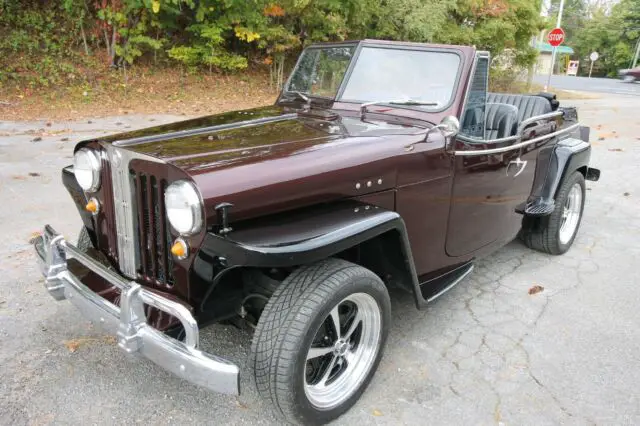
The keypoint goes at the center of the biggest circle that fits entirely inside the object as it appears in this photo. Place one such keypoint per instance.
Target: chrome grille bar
(124, 208)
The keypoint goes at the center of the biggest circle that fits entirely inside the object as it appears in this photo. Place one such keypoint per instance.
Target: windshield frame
(315, 46)
(359, 45)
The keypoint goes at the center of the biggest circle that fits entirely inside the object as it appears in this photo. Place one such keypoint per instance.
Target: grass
(162, 91)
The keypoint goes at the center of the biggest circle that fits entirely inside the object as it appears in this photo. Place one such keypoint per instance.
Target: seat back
(528, 106)
(501, 121)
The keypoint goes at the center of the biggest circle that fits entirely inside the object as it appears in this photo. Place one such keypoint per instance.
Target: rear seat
(528, 106)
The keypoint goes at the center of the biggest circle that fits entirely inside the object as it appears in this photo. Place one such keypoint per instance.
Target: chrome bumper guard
(128, 321)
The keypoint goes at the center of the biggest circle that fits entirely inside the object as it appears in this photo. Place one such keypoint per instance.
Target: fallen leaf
(34, 174)
(616, 149)
(72, 345)
(64, 139)
(36, 139)
(33, 236)
(626, 194)
(18, 177)
(48, 124)
(377, 413)
(240, 404)
(536, 289)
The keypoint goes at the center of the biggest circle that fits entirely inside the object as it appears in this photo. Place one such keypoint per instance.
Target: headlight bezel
(95, 166)
(193, 202)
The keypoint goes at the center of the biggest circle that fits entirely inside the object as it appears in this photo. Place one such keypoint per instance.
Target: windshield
(380, 74)
(320, 71)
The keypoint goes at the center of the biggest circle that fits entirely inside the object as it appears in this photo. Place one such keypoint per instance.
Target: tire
(554, 234)
(298, 315)
(84, 240)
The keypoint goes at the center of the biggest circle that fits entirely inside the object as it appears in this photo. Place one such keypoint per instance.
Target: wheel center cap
(341, 347)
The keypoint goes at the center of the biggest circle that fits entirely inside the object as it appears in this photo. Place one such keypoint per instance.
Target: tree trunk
(113, 46)
(107, 43)
(84, 39)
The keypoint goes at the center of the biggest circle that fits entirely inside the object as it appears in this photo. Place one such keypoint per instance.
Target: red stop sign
(556, 37)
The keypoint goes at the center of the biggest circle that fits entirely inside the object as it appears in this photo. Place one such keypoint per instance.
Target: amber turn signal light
(180, 249)
(92, 206)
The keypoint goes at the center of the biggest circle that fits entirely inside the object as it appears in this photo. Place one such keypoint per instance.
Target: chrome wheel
(343, 351)
(571, 212)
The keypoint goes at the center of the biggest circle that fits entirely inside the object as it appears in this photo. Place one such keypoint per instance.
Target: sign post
(594, 57)
(555, 39)
(553, 56)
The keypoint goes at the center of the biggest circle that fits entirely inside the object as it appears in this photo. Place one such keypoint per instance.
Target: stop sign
(556, 37)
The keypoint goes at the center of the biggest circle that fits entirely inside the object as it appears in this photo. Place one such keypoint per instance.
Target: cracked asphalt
(486, 353)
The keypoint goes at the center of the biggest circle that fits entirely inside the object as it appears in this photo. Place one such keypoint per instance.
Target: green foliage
(613, 34)
(229, 35)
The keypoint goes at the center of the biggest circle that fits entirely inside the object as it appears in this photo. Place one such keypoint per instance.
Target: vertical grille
(156, 264)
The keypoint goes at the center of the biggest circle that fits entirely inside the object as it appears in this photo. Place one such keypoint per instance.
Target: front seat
(501, 121)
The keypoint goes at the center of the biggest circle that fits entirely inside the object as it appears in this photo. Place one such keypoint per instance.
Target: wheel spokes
(318, 352)
(357, 319)
(335, 318)
(327, 372)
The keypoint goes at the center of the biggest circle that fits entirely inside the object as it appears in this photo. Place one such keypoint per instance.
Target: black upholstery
(501, 121)
(528, 106)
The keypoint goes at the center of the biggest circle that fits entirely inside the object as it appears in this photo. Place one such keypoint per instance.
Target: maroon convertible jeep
(382, 164)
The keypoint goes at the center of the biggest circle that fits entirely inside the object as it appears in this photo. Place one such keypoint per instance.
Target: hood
(277, 156)
(224, 139)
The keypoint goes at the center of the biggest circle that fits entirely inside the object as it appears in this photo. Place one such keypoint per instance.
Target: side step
(436, 287)
(539, 207)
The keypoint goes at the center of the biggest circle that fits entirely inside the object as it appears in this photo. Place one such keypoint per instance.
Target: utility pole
(635, 57)
(555, 49)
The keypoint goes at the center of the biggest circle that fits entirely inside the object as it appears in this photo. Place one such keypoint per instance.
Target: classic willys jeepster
(381, 164)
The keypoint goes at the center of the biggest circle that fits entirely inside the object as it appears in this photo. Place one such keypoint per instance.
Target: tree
(613, 35)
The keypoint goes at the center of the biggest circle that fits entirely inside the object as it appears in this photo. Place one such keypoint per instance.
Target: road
(586, 84)
(486, 353)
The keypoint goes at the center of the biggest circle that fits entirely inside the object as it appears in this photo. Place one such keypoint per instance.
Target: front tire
(320, 339)
(554, 234)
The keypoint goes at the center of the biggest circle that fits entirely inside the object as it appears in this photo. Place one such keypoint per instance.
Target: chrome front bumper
(128, 321)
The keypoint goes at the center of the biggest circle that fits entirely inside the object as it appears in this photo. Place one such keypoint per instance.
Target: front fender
(568, 155)
(307, 236)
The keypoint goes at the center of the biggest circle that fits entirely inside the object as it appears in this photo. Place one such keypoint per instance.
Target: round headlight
(86, 168)
(184, 208)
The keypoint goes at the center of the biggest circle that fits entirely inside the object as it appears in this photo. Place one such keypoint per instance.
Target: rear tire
(319, 340)
(554, 234)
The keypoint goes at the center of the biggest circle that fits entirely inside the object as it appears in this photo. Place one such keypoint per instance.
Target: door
(492, 173)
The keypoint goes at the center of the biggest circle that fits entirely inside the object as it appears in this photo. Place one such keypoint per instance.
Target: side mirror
(449, 126)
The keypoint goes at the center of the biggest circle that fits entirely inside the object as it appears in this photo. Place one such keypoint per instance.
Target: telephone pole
(635, 57)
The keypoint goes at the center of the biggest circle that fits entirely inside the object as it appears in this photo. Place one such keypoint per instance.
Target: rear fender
(313, 234)
(569, 155)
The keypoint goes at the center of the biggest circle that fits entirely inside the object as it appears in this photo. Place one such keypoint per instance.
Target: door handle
(518, 163)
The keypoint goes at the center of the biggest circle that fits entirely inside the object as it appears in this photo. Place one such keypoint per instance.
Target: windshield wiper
(411, 102)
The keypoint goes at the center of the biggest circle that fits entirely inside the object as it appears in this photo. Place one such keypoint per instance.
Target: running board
(444, 283)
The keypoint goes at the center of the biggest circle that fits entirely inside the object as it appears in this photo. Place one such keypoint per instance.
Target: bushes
(50, 42)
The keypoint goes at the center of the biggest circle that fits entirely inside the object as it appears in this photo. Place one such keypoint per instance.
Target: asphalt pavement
(593, 84)
(486, 353)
